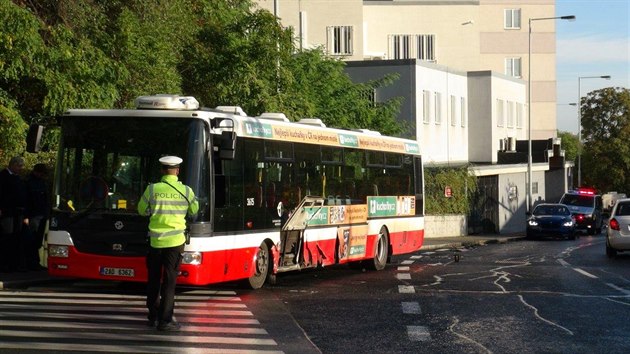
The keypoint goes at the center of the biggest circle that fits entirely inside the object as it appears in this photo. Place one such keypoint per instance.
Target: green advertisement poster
(381, 206)
(258, 129)
(317, 216)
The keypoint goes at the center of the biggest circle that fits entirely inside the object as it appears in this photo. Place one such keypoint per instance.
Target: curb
(458, 244)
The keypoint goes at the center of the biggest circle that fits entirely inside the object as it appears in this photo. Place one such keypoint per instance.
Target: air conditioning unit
(502, 144)
(511, 144)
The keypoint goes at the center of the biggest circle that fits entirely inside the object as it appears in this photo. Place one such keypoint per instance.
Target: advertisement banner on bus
(352, 242)
(337, 214)
(391, 206)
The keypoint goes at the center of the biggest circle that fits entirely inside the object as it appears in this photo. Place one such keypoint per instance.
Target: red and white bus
(274, 195)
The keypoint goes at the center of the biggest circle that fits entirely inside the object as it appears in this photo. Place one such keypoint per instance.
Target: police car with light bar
(586, 206)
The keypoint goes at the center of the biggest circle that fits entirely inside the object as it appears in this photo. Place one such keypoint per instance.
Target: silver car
(618, 231)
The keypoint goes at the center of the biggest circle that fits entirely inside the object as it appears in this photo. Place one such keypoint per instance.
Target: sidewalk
(23, 279)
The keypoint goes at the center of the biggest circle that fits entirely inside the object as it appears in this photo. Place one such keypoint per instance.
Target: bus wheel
(381, 252)
(262, 264)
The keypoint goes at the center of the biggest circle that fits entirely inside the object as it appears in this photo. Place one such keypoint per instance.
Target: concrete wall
(444, 140)
(445, 225)
(485, 89)
(556, 183)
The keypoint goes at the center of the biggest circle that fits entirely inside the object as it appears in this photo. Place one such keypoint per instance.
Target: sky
(597, 43)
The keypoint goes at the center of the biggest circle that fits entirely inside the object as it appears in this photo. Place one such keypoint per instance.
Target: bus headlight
(191, 258)
(57, 251)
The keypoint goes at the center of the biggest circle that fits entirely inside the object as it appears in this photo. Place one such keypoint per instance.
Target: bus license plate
(118, 272)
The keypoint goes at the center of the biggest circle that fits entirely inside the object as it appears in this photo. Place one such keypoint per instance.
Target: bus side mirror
(227, 148)
(34, 138)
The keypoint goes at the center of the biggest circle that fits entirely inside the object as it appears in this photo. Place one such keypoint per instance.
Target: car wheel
(610, 252)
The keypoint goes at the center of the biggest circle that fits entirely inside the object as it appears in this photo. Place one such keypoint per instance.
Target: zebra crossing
(213, 322)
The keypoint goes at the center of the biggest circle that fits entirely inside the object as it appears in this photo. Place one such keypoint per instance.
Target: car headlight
(57, 251)
(568, 223)
(532, 223)
(191, 258)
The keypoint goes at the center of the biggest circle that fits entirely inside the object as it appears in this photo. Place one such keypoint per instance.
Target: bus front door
(292, 233)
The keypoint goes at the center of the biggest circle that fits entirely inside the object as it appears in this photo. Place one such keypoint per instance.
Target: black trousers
(163, 267)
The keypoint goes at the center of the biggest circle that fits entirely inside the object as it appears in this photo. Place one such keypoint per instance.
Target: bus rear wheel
(263, 265)
(381, 252)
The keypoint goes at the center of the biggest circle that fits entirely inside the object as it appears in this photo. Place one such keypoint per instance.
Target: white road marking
(564, 263)
(415, 257)
(211, 323)
(627, 292)
(406, 289)
(418, 333)
(403, 276)
(406, 262)
(403, 269)
(583, 272)
(411, 308)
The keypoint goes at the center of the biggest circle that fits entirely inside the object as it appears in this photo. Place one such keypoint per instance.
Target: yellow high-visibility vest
(168, 206)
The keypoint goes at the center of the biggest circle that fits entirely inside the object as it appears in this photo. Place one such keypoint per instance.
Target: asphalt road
(520, 297)
(544, 296)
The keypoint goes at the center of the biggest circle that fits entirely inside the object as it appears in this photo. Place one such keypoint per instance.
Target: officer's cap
(170, 161)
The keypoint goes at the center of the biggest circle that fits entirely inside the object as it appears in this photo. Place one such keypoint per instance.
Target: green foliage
(325, 91)
(570, 145)
(12, 129)
(605, 134)
(463, 185)
(61, 54)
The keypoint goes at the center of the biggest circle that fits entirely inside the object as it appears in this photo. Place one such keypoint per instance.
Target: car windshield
(578, 200)
(551, 210)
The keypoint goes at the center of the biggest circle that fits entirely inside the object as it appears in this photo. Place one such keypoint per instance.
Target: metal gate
(484, 208)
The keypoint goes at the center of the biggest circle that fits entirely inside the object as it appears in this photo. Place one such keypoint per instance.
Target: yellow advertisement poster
(352, 242)
(348, 214)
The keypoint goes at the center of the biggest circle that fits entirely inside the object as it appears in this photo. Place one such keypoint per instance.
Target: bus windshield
(105, 163)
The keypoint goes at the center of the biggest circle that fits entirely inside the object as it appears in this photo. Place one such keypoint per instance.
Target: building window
(510, 114)
(500, 117)
(369, 94)
(426, 106)
(462, 104)
(340, 40)
(534, 187)
(512, 18)
(453, 110)
(513, 67)
(519, 115)
(412, 46)
(438, 108)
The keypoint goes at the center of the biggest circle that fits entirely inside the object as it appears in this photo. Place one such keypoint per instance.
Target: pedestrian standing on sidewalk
(13, 218)
(167, 202)
(38, 213)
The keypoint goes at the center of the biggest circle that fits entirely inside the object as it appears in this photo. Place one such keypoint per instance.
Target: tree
(606, 133)
(61, 54)
(570, 145)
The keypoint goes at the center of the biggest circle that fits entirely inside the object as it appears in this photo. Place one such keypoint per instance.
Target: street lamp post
(579, 103)
(529, 104)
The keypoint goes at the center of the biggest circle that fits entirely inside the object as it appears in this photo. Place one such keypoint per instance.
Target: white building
(463, 77)
(465, 35)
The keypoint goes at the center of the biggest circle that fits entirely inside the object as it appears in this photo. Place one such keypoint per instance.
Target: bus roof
(267, 126)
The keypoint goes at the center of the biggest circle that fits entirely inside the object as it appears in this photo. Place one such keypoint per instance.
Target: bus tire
(262, 265)
(381, 251)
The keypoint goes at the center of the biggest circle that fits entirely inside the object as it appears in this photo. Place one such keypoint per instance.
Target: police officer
(167, 202)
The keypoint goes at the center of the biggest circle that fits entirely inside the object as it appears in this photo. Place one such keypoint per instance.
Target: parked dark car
(587, 207)
(618, 231)
(551, 220)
